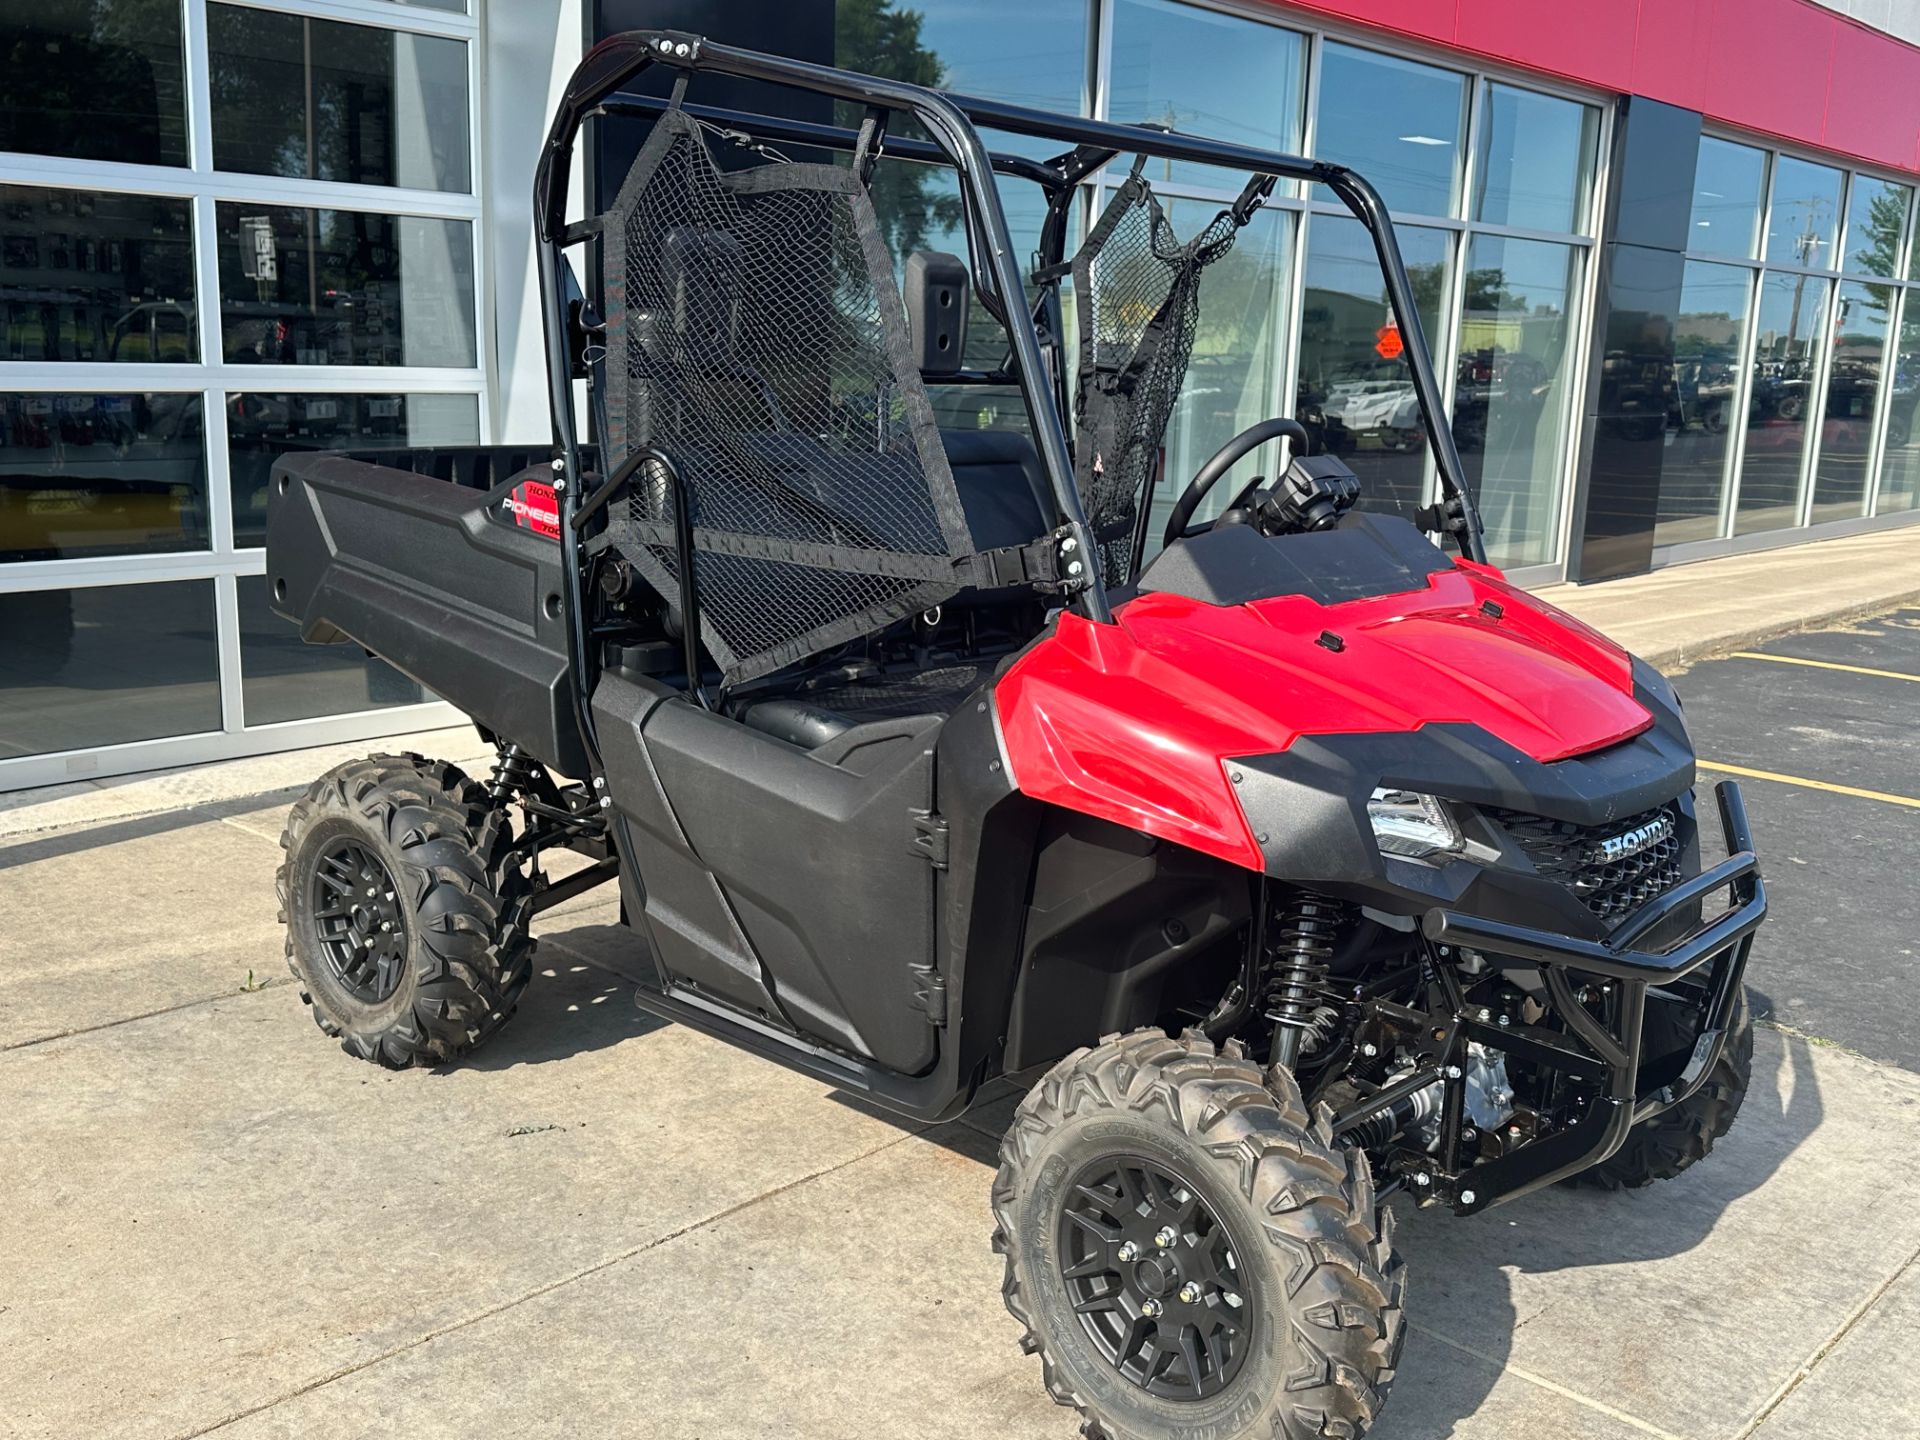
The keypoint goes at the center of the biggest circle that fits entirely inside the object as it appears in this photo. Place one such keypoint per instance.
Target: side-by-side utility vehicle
(933, 731)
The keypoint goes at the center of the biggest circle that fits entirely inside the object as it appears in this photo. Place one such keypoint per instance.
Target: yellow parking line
(1801, 780)
(1825, 665)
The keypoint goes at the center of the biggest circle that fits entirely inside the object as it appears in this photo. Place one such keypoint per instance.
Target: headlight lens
(1408, 823)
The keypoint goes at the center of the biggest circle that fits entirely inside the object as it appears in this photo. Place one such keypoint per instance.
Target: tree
(1880, 254)
(913, 202)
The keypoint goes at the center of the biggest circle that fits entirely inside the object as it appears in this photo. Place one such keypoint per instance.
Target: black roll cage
(596, 86)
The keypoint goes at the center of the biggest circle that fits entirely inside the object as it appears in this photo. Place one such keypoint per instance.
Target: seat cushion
(1002, 488)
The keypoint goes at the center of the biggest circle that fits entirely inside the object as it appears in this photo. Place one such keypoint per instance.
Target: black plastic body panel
(774, 879)
(1366, 555)
(1119, 927)
(420, 572)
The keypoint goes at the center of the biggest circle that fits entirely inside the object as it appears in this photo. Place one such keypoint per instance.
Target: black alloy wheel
(1191, 1253)
(1152, 1276)
(360, 926)
(406, 909)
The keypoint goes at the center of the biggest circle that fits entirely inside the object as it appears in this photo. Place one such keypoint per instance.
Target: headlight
(1408, 823)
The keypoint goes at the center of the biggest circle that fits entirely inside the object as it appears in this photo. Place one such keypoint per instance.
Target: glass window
(1854, 379)
(105, 665)
(1221, 76)
(1510, 398)
(968, 42)
(94, 80)
(1536, 160)
(1397, 122)
(261, 428)
(86, 275)
(1876, 221)
(1900, 471)
(101, 475)
(1729, 187)
(964, 48)
(284, 678)
(1709, 345)
(339, 287)
(1355, 393)
(1233, 377)
(322, 100)
(1805, 214)
(1791, 321)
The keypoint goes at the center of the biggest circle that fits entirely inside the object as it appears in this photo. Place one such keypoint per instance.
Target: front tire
(406, 916)
(1676, 1140)
(1190, 1254)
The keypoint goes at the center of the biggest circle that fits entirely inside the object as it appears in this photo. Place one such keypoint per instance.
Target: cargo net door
(755, 333)
(1141, 284)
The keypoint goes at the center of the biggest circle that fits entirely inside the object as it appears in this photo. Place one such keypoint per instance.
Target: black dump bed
(451, 576)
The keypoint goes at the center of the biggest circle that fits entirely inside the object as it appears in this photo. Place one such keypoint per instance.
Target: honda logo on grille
(1632, 842)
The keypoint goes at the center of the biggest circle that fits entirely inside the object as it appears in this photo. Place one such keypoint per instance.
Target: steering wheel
(1224, 459)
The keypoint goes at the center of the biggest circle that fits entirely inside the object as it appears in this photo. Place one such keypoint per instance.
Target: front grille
(1614, 868)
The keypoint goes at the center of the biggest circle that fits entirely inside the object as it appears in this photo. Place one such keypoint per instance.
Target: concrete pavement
(1684, 612)
(218, 1223)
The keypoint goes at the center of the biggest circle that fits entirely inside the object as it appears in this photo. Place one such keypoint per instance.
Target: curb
(1676, 657)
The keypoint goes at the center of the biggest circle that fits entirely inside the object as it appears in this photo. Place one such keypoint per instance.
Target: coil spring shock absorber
(1299, 946)
(512, 770)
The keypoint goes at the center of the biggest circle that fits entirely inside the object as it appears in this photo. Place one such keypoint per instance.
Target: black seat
(1002, 488)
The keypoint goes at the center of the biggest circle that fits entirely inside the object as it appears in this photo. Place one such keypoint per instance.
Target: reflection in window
(106, 665)
(1397, 122)
(1510, 390)
(1900, 472)
(1876, 221)
(1536, 160)
(1233, 376)
(964, 48)
(100, 475)
(261, 428)
(339, 287)
(95, 276)
(1854, 381)
(284, 678)
(322, 100)
(1791, 320)
(94, 80)
(1221, 76)
(1708, 346)
(1728, 190)
(1805, 214)
(1355, 392)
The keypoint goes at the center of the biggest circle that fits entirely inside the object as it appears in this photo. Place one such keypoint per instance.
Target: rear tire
(1278, 1236)
(406, 919)
(1678, 1139)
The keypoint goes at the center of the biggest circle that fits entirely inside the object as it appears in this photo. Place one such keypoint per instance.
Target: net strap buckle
(1045, 564)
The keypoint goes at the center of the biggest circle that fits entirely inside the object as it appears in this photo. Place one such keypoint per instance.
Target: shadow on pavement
(1462, 1272)
(1461, 1306)
(570, 1008)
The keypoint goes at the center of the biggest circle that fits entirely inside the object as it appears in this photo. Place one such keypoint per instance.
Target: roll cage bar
(596, 88)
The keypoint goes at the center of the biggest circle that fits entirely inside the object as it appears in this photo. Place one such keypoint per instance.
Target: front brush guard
(1607, 1050)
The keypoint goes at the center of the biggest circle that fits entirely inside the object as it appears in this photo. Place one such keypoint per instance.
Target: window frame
(1758, 267)
(205, 188)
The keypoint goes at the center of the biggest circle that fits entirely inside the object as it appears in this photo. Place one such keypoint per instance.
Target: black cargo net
(1140, 289)
(755, 334)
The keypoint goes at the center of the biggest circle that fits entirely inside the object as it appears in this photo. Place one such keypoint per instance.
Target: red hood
(1133, 721)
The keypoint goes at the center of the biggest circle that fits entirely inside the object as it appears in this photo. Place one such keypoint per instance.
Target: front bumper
(1603, 1049)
